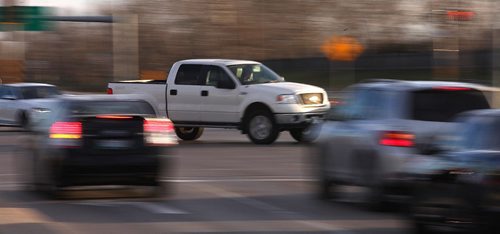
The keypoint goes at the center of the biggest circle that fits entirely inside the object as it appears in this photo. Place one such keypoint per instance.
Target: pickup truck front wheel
(188, 133)
(261, 127)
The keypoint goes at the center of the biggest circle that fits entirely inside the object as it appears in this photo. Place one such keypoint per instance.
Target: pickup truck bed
(154, 89)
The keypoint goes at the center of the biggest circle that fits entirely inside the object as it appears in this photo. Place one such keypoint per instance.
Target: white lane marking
(94, 203)
(344, 226)
(239, 180)
(157, 208)
(147, 206)
(244, 200)
(267, 207)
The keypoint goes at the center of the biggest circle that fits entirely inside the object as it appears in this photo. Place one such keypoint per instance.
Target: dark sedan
(457, 182)
(99, 140)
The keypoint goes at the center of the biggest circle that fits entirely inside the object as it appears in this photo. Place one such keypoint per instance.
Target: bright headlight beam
(314, 99)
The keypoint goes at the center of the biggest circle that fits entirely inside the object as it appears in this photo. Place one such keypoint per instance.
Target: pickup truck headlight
(286, 99)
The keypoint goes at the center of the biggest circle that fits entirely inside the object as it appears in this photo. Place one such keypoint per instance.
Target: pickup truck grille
(311, 98)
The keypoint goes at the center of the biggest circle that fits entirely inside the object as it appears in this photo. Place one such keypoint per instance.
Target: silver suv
(367, 140)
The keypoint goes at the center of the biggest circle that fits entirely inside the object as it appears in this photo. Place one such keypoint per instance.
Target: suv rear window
(111, 107)
(443, 105)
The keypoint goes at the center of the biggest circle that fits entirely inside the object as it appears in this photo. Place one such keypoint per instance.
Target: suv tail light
(66, 134)
(159, 132)
(109, 91)
(397, 139)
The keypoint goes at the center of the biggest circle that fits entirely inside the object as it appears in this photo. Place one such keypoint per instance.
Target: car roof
(402, 85)
(107, 97)
(219, 62)
(29, 85)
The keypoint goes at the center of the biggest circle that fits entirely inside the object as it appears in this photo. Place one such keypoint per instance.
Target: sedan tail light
(159, 132)
(109, 91)
(397, 139)
(66, 130)
(66, 134)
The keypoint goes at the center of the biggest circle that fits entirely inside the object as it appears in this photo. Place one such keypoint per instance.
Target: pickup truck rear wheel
(188, 133)
(261, 127)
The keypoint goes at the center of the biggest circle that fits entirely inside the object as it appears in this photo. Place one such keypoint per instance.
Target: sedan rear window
(111, 107)
(443, 105)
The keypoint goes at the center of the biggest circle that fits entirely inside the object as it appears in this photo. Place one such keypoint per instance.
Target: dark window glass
(443, 105)
(214, 75)
(2, 91)
(38, 92)
(111, 107)
(481, 133)
(188, 74)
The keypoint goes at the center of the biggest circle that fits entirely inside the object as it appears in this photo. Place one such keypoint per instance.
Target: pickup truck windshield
(249, 74)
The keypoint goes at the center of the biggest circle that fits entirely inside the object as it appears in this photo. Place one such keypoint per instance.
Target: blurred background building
(403, 39)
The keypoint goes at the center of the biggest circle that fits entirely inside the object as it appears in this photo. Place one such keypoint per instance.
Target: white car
(372, 136)
(240, 94)
(18, 100)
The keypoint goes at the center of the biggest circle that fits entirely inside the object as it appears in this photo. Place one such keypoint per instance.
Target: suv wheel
(188, 133)
(326, 185)
(297, 134)
(261, 127)
(305, 135)
(374, 199)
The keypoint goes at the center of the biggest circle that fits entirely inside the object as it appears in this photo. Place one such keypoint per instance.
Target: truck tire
(261, 128)
(188, 133)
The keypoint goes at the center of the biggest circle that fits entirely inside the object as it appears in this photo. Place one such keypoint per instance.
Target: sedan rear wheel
(188, 133)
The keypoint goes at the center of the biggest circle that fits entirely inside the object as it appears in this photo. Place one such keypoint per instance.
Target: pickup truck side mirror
(225, 84)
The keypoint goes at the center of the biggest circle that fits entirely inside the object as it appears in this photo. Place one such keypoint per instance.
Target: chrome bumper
(300, 118)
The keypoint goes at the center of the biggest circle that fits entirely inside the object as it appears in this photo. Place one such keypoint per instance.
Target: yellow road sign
(342, 48)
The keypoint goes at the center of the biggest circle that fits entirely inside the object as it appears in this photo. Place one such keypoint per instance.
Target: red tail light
(158, 125)
(109, 91)
(159, 132)
(66, 130)
(397, 139)
(451, 88)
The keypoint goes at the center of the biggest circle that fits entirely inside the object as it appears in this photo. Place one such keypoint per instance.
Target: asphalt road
(221, 183)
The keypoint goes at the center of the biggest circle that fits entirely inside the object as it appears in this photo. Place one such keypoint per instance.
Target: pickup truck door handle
(173, 92)
(204, 93)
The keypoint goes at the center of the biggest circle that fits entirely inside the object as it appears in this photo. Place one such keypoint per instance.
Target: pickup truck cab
(244, 95)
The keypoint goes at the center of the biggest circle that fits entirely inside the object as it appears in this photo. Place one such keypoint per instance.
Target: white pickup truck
(218, 93)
